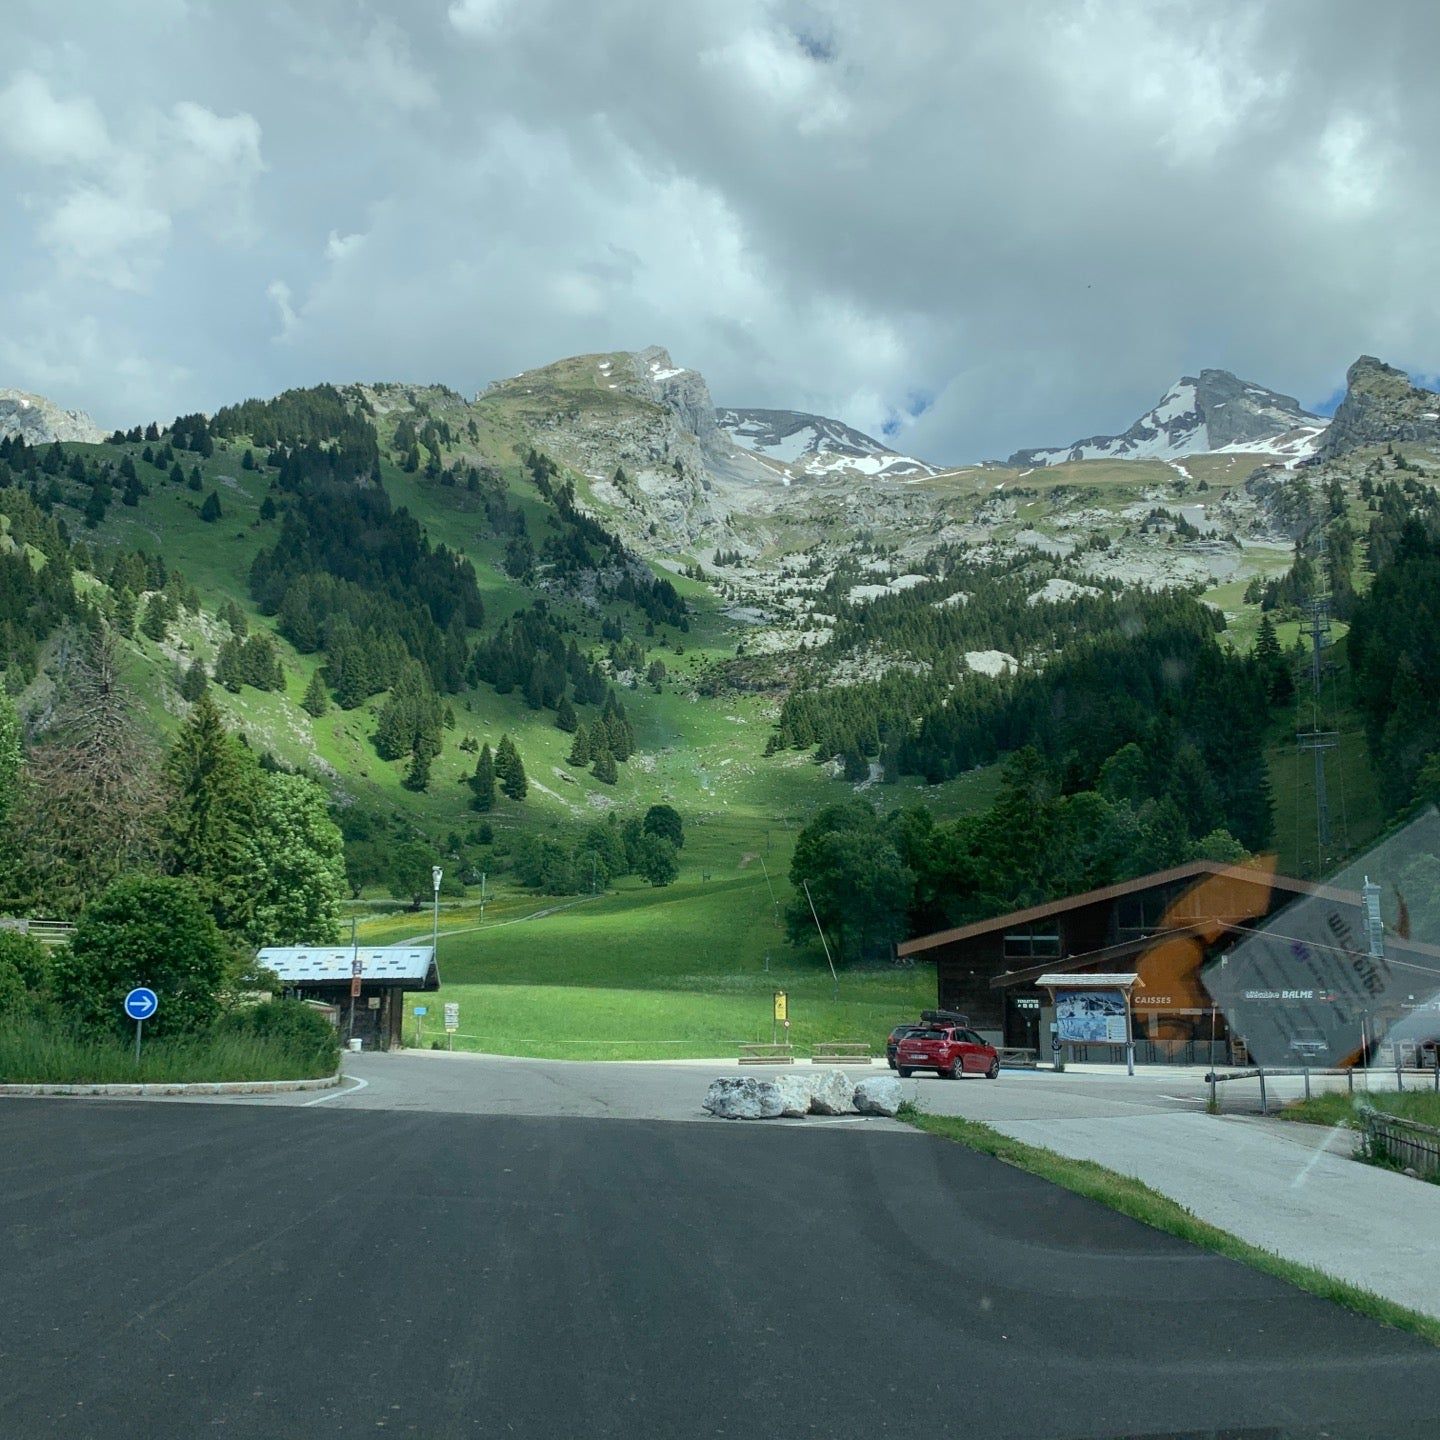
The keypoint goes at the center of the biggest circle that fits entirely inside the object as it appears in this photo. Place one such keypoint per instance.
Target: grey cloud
(1037, 213)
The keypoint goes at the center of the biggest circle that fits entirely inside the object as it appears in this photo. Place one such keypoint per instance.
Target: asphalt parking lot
(299, 1271)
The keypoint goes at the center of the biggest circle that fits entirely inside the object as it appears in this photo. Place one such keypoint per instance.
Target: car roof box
(944, 1017)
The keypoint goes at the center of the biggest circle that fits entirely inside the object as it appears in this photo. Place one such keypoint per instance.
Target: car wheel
(891, 1064)
(903, 1072)
(955, 1070)
(993, 1073)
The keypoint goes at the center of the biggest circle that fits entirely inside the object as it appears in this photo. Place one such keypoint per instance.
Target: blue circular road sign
(141, 1004)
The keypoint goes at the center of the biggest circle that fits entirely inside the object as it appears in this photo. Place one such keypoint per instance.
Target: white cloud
(37, 127)
(279, 292)
(381, 68)
(339, 246)
(480, 19)
(108, 236)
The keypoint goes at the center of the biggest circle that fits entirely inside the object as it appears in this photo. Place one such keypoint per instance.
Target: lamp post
(436, 876)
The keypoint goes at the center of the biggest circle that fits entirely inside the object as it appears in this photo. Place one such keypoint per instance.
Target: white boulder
(831, 1093)
(744, 1097)
(796, 1093)
(880, 1095)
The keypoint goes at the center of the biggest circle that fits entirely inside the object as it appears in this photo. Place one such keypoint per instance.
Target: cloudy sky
(972, 224)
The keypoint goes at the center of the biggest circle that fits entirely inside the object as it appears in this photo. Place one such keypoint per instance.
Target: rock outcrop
(1381, 405)
(38, 421)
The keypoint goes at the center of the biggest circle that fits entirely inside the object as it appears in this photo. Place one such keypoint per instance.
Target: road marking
(336, 1094)
(1184, 1099)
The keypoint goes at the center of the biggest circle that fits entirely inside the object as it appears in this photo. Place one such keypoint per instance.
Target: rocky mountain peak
(38, 421)
(1381, 405)
(1211, 411)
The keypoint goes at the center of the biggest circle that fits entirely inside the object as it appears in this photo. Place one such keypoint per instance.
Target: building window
(1040, 941)
(1140, 915)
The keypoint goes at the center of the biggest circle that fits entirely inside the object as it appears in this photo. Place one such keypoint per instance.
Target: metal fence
(1405, 1143)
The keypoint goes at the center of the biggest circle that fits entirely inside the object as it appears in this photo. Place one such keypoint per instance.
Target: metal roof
(382, 964)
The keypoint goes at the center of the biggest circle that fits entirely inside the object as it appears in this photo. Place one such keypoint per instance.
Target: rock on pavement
(744, 1097)
(831, 1094)
(880, 1095)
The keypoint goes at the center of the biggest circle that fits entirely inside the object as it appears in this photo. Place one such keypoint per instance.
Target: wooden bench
(767, 1055)
(840, 1052)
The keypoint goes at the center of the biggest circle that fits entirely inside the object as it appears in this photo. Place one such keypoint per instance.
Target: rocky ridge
(1210, 413)
(1381, 406)
(38, 421)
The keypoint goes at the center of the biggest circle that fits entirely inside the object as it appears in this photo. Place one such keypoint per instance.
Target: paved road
(1288, 1188)
(279, 1273)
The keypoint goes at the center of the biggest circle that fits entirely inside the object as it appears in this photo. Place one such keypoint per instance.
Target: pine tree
(580, 750)
(604, 766)
(267, 508)
(210, 511)
(315, 701)
(482, 782)
(192, 687)
(156, 621)
(417, 773)
(510, 770)
(565, 717)
(229, 669)
(123, 613)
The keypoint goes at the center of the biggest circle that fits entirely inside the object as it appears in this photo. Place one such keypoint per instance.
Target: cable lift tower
(1316, 626)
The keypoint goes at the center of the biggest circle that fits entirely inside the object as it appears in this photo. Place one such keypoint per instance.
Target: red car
(950, 1051)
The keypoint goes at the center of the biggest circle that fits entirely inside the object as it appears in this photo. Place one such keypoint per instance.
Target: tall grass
(1336, 1108)
(36, 1051)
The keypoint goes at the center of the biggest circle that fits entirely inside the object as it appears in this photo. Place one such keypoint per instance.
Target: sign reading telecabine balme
(141, 1003)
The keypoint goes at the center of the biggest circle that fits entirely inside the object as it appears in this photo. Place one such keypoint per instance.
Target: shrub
(29, 958)
(303, 1033)
(144, 930)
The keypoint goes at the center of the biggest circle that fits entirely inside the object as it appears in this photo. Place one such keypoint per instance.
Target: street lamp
(436, 876)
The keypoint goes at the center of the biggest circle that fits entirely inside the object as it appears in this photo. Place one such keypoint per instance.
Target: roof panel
(333, 962)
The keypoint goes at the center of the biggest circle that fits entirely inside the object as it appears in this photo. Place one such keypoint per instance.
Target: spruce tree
(510, 770)
(482, 782)
(604, 767)
(192, 687)
(123, 613)
(565, 717)
(210, 511)
(155, 623)
(580, 750)
(315, 701)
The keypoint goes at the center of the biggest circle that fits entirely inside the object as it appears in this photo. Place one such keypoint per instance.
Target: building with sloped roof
(365, 983)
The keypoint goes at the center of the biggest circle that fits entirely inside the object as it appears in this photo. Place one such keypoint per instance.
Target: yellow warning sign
(782, 1006)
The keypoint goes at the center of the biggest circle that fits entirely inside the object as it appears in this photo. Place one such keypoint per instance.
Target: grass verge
(1137, 1200)
(34, 1053)
(1340, 1109)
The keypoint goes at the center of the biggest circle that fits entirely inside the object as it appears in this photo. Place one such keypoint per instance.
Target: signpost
(452, 1022)
(419, 1011)
(140, 1004)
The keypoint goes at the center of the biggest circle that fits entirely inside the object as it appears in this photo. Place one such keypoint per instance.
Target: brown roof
(1105, 954)
(1194, 869)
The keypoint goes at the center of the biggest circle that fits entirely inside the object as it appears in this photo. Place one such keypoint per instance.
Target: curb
(202, 1087)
